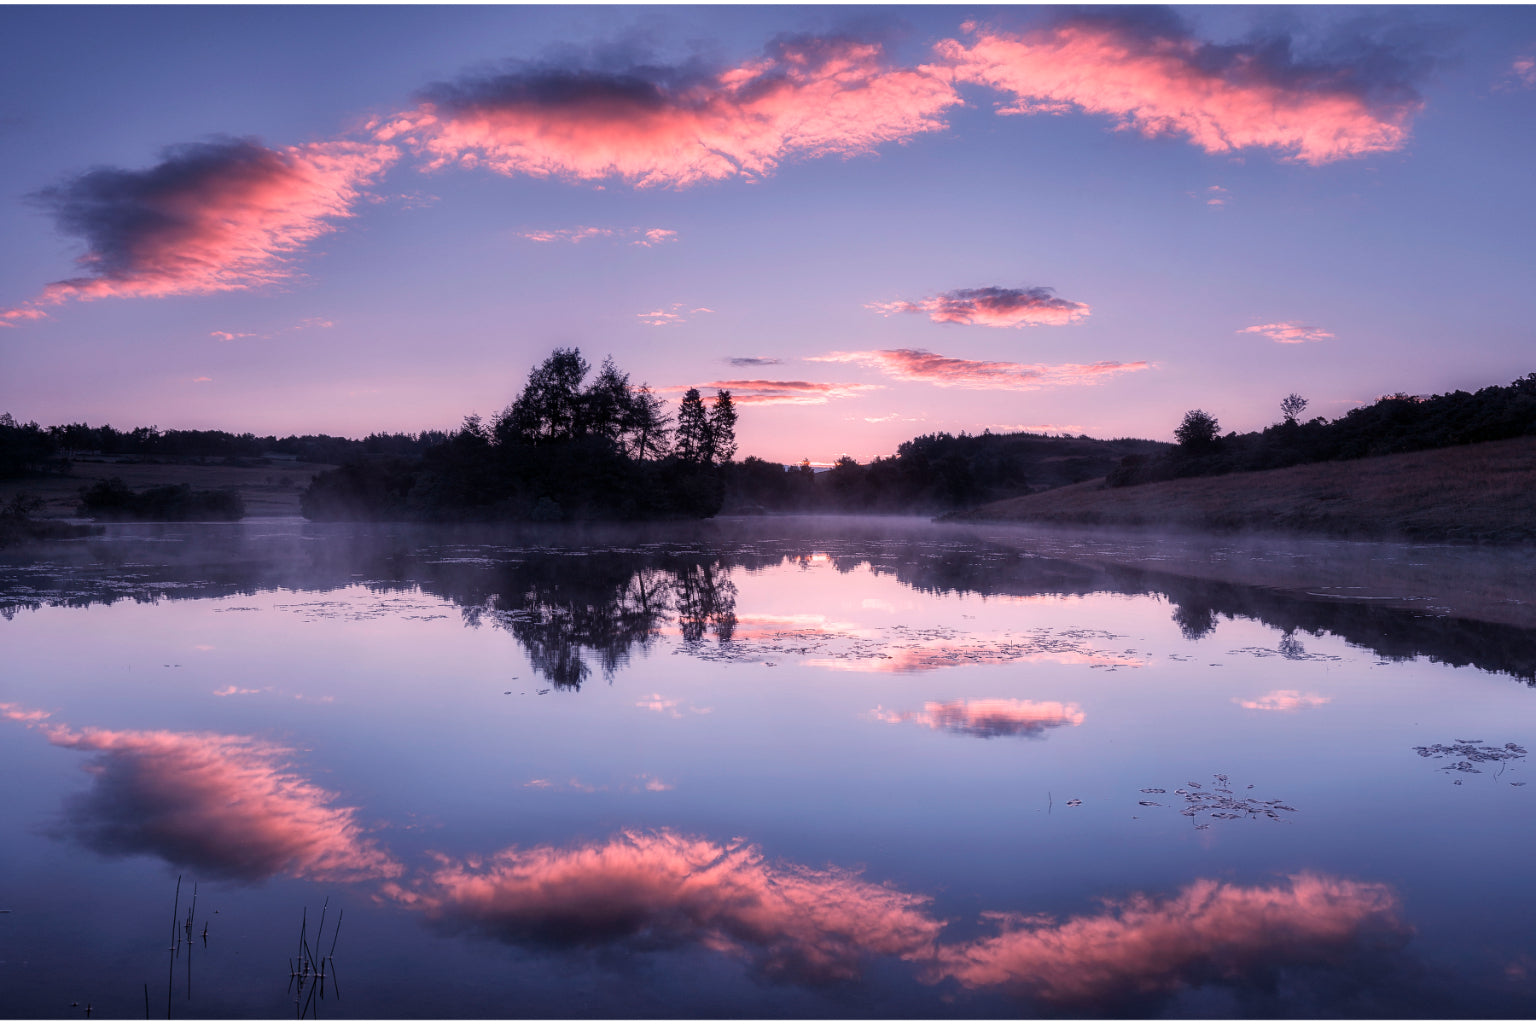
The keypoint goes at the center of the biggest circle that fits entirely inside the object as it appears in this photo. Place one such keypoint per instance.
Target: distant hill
(932, 473)
(1480, 493)
(1391, 424)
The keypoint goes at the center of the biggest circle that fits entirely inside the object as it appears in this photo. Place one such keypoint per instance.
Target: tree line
(1392, 424)
(565, 448)
(932, 473)
(29, 449)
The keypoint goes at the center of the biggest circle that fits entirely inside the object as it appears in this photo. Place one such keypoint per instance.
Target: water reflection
(574, 601)
(1283, 700)
(660, 889)
(989, 718)
(227, 806)
(569, 607)
(1211, 932)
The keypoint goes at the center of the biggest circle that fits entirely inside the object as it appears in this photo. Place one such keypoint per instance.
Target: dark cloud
(992, 306)
(753, 361)
(658, 125)
(211, 216)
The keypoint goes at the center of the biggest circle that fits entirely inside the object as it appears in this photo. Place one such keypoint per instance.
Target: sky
(868, 223)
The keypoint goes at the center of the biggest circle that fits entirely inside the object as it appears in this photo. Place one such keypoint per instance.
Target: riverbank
(1480, 494)
(269, 489)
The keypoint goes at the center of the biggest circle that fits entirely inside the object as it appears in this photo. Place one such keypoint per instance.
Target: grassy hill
(1480, 493)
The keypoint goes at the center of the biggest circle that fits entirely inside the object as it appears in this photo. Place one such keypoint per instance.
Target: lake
(765, 768)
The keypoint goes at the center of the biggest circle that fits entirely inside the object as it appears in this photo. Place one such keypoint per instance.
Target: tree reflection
(1195, 621)
(577, 601)
(569, 609)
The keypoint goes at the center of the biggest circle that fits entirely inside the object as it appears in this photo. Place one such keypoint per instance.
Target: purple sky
(868, 223)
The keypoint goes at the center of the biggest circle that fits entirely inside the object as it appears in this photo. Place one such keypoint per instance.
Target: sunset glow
(922, 219)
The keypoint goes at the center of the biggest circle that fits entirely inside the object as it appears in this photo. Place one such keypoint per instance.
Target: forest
(1390, 425)
(27, 449)
(565, 449)
(574, 445)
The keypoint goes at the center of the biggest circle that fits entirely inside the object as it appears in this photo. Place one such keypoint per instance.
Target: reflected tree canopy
(578, 599)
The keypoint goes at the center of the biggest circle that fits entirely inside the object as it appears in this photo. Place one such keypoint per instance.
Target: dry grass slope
(267, 490)
(1482, 493)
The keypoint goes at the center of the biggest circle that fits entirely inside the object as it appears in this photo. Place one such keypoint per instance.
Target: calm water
(772, 768)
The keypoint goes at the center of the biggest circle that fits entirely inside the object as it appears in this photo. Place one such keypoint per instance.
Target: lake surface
(766, 768)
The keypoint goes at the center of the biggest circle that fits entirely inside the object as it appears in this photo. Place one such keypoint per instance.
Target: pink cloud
(228, 805)
(566, 234)
(651, 889)
(17, 713)
(202, 380)
(992, 307)
(804, 97)
(646, 237)
(787, 392)
(9, 317)
(1213, 195)
(909, 364)
(989, 718)
(229, 335)
(1148, 73)
(656, 236)
(1284, 700)
(213, 217)
(1522, 73)
(892, 417)
(676, 313)
(1211, 931)
(1288, 333)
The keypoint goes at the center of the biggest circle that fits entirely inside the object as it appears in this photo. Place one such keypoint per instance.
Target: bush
(113, 499)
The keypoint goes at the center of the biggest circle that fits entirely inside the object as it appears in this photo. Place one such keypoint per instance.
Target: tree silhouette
(549, 409)
(1198, 430)
(607, 406)
(650, 430)
(722, 429)
(1292, 407)
(693, 434)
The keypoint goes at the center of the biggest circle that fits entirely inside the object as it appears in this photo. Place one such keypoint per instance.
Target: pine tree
(722, 429)
(649, 426)
(692, 437)
(607, 405)
(549, 409)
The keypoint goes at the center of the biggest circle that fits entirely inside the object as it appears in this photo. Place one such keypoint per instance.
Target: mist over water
(773, 767)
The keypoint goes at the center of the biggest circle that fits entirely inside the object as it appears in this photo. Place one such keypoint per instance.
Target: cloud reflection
(989, 718)
(1284, 700)
(649, 890)
(662, 890)
(1210, 932)
(927, 657)
(229, 806)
